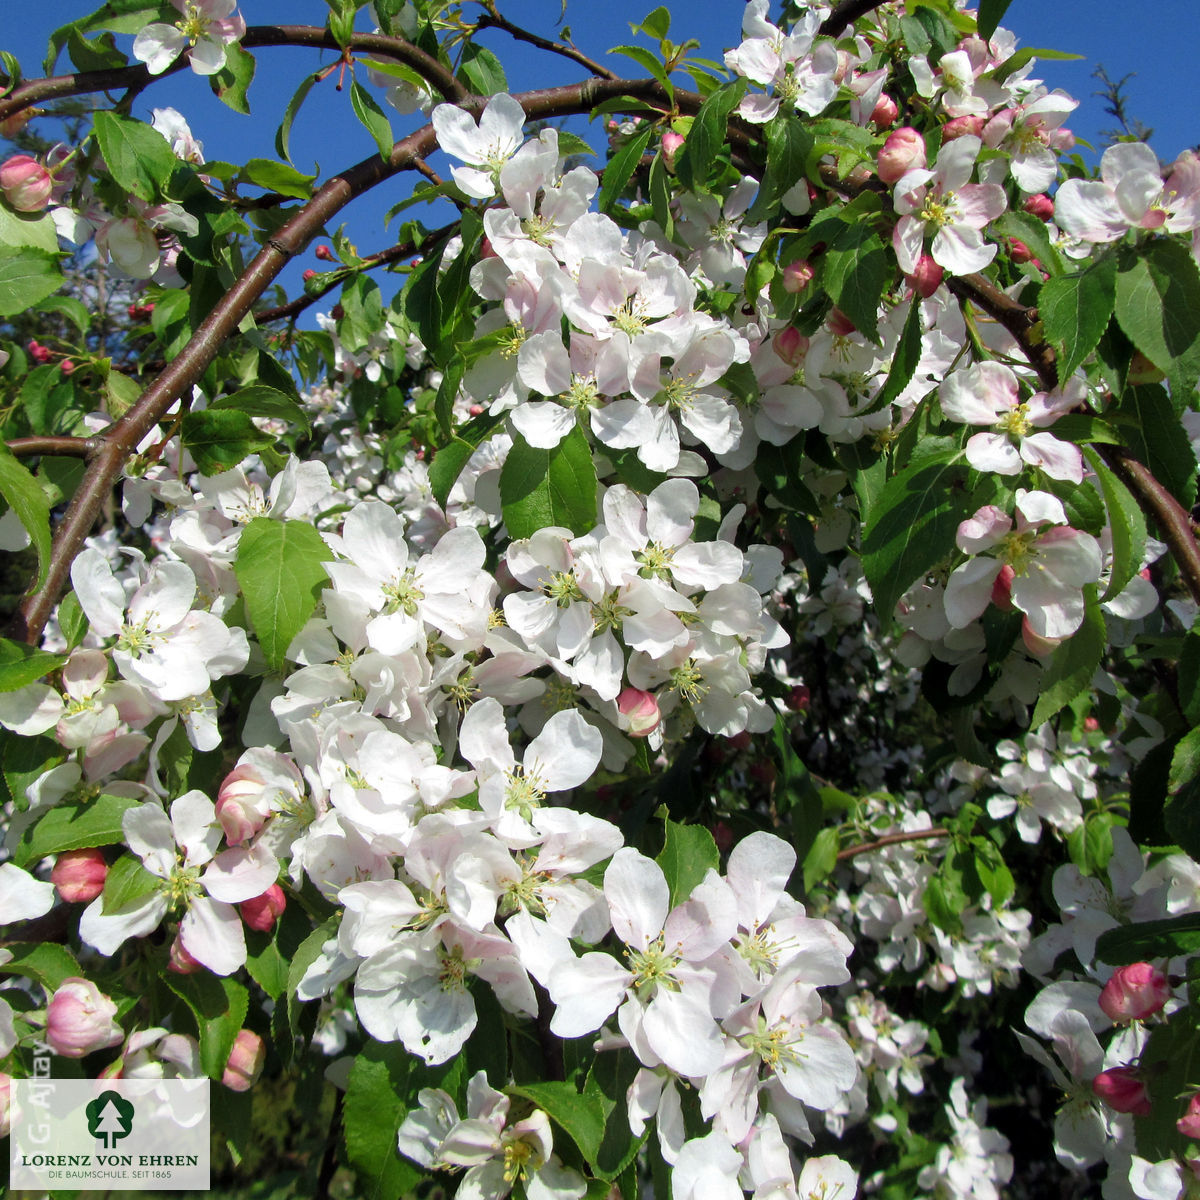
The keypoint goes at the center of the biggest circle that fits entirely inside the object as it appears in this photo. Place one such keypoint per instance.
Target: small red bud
(79, 875)
(1135, 991)
(797, 276)
(337, 312)
(309, 274)
(324, 253)
(799, 698)
(261, 912)
(740, 741)
(885, 112)
(903, 151)
(1018, 251)
(67, 367)
(1189, 1123)
(960, 127)
(1123, 1091)
(839, 324)
(791, 345)
(1040, 206)
(927, 277)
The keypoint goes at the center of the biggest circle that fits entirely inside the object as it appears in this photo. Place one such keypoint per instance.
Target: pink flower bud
(641, 710)
(1040, 206)
(324, 253)
(797, 275)
(5, 1102)
(241, 806)
(1018, 251)
(79, 875)
(38, 352)
(67, 367)
(1189, 1123)
(799, 698)
(26, 184)
(309, 274)
(486, 250)
(261, 912)
(245, 1061)
(885, 112)
(960, 127)
(1134, 992)
(1122, 1090)
(1002, 588)
(839, 324)
(903, 151)
(927, 278)
(671, 144)
(181, 962)
(791, 345)
(79, 1019)
(11, 126)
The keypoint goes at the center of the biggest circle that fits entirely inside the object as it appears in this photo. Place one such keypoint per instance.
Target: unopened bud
(67, 367)
(1040, 206)
(839, 324)
(1134, 992)
(799, 698)
(791, 345)
(1189, 1123)
(640, 709)
(324, 253)
(245, 1061)
(261, 912)
(38, 352)
(885, 112)
(1122, 1090)
(797, 275)
(80, 1019)
(926, 278)
(960, 127)
(309, 274)
(671, 144)
(1018, 251)
(903, 151)
(26, 184)
(79, 875)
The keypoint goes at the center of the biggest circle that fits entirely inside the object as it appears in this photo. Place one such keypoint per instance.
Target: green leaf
(621, 167)
(688, 854)
(1127, 523)
(646, 60)
(1181, 813)
(67, 306)
(279, 569)
(71, 620)
(46, 963)
(904, 360)
(1168, 938)
(911, 527)
(32, 231)
(1025, 55)
(220, 438)
(1082, 428)
(74, 826)
(656, 24)
(993, 871)
(258, 400)
(1073, 663)
(788, 146)
(539, 488)
(449, 461)
(482, 71)
(219, 1007)
(1158, 308)
(278, 177)
(1185, 761)
(1157, 438)
(857, 273)
(127, 882)
(26, 498)
(94, 54)
(304, 958)
(21, 664)
(571, 144)
(138, 157)
(821, 859)
(373, 1114)
(1189, 674)
(231, 83)
(284, 133)
(373, 119)
(608, 1081)
(708, 135)
(1028, 229)
(27, 277)
(1171, 1062)
(580, 1116)
(1075, 311)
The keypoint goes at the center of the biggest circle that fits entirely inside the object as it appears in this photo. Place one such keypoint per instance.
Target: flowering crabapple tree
(682, 680)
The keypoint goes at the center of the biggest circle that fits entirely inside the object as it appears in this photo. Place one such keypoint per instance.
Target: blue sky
(1161, 57)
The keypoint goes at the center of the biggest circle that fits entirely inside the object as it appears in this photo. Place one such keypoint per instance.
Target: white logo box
(102, 1134)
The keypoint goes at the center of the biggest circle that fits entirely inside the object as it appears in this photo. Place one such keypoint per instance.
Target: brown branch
(381, 258)
(890, 839)
(493, 20)
(54, 87)
(189, 365)
(845, 14)
(72, 447)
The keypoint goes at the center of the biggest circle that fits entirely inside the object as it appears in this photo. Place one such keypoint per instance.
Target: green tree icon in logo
(109, 1118)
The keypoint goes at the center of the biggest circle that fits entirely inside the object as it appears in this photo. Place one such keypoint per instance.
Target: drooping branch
(844, 15)
(81, 83)
(186, 369)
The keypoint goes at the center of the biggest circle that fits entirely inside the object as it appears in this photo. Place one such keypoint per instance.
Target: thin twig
(69, 447)
(493, 20)
(891, 839)
(844, 15)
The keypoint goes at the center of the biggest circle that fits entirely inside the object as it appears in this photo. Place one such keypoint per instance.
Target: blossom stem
(492, 19)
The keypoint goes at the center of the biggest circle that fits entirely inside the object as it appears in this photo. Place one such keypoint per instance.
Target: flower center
(1016, 422)
(523, 792)
(656, 559)
(651, 967)
(939, 210)
(563, 589)
(137, 639)
(403, 594)
(628, 320)
(181, 886)
(1017, 549)
(688, 681)
(194, 24)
